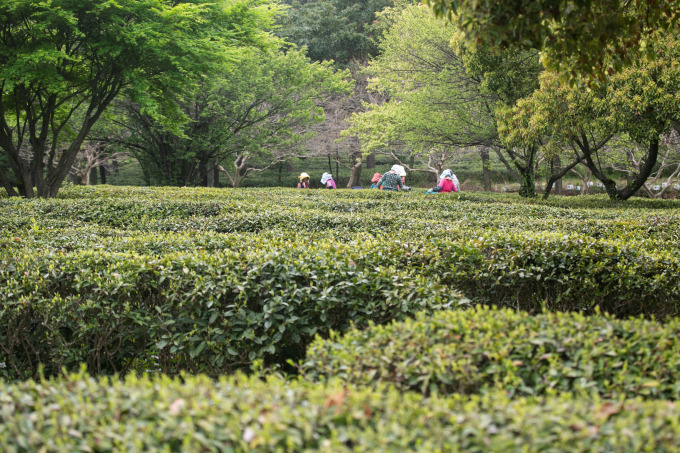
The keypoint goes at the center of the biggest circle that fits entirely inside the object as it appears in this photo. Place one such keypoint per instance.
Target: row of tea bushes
(484, 349)
(96, 254)
(195, 414)
(244, 211)
(561, 273)
(566, 273)
(200, 312)
(533, 271)
(519, 269)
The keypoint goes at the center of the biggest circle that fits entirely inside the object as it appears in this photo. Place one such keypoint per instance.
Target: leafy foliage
(203, 312)
(576, 37)
(441, 96)
(62, 63)
(639, 102)
(194, 414)
(463, 352)
(253, 113)
(338, 30)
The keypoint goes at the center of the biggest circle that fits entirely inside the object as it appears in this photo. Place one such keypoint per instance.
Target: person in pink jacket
(447, 183)
(327, 181)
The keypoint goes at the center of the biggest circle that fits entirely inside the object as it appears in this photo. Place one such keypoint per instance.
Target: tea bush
(195, 414)
(199, 312)
(121, 277)
(484, 349)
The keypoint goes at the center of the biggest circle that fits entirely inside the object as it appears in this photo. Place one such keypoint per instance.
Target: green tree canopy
(440, 94)
(62, 63)
(251, 115)
(641, 102)
(338, 30)
(591, 37)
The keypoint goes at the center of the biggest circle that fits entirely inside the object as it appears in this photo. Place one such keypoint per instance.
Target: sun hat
(398, 169)
(326, 177)
(376, 177)
(302, 176)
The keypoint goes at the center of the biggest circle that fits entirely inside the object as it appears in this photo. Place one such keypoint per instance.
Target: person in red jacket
(374, 180)
(304, 181)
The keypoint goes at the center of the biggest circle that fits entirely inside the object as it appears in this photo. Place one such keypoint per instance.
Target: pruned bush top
(485, 349)
(195, 414)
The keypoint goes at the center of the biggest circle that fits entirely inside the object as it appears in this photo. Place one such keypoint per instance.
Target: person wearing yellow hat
(304, 181)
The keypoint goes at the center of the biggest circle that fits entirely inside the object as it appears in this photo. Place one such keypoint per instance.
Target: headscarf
(446, 173)
(398, 169)
(376, 177)
(326, 177)
(302, 176)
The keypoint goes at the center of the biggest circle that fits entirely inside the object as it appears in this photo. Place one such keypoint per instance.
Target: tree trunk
(486, 169)
(210, 174)
(557, 175)
(645, 171)
(557, 162)
(370, 161)
(9, 188)
(240, 170)
(203, 171)
(57, 174)
(610, 185)
(527, 184)
(511, 171)
(355, 172)
(102, 174)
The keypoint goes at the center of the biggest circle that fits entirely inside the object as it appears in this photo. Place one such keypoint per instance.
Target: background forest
(251, 93)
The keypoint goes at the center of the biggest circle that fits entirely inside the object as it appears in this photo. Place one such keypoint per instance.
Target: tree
(664, 175)
(591, 37)
(338, 30)
(92, 157)
(63, 60)
(250, 117)
(441, 97)
(640, 102)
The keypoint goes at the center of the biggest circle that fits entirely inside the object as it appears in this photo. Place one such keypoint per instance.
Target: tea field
(188, 319)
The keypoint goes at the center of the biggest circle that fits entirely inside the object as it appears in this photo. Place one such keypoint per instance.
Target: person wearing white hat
(394, 179)
(447, 183)
(304, 181)
(327, 181)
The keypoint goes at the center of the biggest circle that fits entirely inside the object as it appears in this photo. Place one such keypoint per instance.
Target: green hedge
(196, 414)
(197, 312)
(59, 257)
(563, 272)
(521, 270)
(564, 254)
(483, 349)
